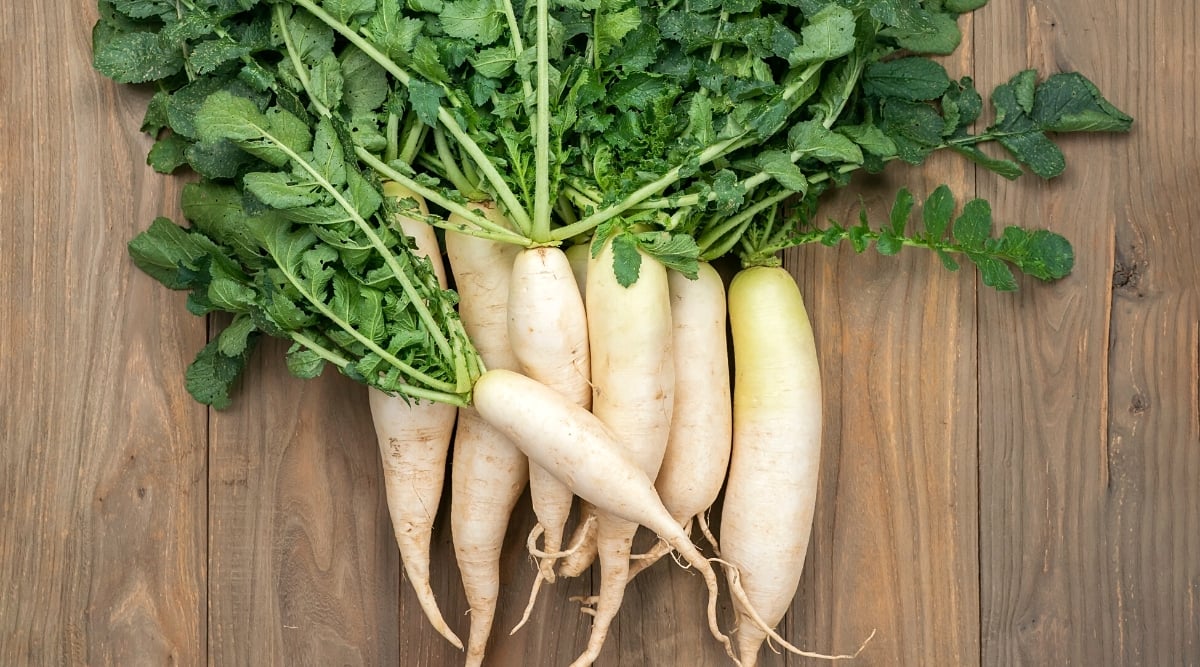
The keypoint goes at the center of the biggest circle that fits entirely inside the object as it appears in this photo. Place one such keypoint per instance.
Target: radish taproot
(771, 491)
(580, 451)
(548, 332)
(414, 442)
(489, 472)
(633, 389)
(697, 455)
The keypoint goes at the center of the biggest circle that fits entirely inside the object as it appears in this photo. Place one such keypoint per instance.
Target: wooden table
(1007, 478)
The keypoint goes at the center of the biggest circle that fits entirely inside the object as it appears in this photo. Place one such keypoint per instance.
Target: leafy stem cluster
(687, 129)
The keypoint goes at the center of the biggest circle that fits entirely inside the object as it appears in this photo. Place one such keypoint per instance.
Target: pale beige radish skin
(697, 456)
(489, 473)
(414, 442)
(547, 329)
(578, 449)
(633, 386)
(489, 476)
(771, 490)
(582, 546)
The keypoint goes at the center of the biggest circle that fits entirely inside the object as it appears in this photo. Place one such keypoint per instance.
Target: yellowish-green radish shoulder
(771, 490)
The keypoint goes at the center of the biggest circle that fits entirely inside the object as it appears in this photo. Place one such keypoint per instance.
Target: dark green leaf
(937, 212)
(311, 38)
(942, 36)
(278, 190)
(230, 295)
(365, 83)
(237, 338)
(209, 55)
(304, 363)
(350, 12)
(426, 99)
(227, 116)
(870, 138)
(1034, 150)
(780, 167)
(678, 252)
(828, 34)
(814, 140)
(974, 226)
(1006, 168)
(913, 79)
(168, 154)
(211, 376)
(1068, 102)
(1047, 256)
(479, 21)
(162, 249)
(137, 57)
(326, 82)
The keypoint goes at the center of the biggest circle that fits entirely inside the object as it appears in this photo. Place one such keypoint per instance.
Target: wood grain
(1090, 469)
(1008, 479)
(304, 568)
(102, 453)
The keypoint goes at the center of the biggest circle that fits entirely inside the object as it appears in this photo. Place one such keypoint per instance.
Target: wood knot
(1139, 404)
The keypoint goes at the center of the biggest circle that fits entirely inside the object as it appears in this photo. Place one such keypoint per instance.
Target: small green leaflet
(137, 57)
(627, 261)
(937, 212)
(974, 225)
(479, 21)
(812, 139)
(828, 34)
(211, 376)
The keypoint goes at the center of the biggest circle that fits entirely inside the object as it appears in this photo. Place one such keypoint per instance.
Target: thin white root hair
(735, 588)
(702, 519)
(533, 593)
(531, 544)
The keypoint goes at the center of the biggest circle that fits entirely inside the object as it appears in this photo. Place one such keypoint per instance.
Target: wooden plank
(1090, 482)
(895, 535)
(102, 465)
(303, 566)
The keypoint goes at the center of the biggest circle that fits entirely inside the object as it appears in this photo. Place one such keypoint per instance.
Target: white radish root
(548, 331)
(633, 386)
(489, 472)
(579, 450)
(414, 442)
